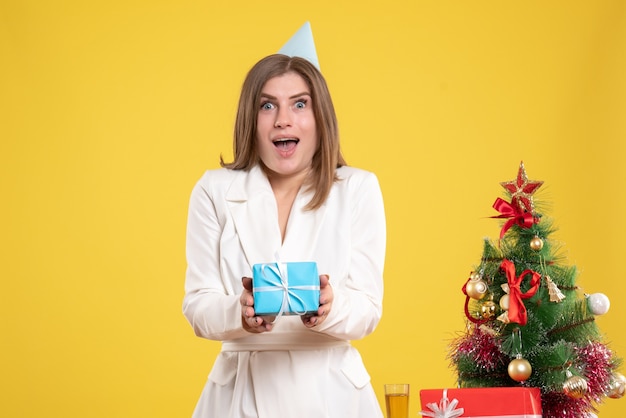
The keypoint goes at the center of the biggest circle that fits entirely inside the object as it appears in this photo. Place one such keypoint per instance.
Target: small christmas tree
(528, 324)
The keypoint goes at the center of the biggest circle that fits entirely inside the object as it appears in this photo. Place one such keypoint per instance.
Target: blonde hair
(327, 157)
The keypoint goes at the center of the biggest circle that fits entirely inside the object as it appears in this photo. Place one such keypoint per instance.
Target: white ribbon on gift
(445, 408)
(280, 270)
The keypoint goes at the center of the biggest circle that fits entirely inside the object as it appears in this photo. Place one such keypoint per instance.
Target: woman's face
(286, 131)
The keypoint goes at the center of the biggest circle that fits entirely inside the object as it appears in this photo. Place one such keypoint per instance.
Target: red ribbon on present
(519, 217)
(517, 310)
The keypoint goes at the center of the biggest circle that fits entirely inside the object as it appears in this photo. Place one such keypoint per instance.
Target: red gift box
(502, 402)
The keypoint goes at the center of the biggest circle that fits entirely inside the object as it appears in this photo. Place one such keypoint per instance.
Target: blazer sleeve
(210, 304)
(357, 304)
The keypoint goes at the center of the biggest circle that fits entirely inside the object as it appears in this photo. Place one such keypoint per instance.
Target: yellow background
(111, 110)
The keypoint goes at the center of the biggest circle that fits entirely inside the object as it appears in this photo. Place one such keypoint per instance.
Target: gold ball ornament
(617, 386)
(504, 302)
(575, 387)
(520, 369)
(536, 244)
(476, 287)
(488, 309)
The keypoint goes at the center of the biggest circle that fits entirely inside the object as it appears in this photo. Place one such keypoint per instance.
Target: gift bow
(280, 270)
(445, 408)
(507, 210)
(517, 310)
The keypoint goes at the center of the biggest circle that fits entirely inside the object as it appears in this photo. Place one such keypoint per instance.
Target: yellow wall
(111, 110)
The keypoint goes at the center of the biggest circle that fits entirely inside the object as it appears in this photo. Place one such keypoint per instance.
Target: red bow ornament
(517, 310)
(519, 217)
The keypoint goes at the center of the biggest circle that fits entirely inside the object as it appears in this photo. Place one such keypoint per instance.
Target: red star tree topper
(522, 189)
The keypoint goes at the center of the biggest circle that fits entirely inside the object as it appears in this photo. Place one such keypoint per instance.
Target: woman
(287, 195)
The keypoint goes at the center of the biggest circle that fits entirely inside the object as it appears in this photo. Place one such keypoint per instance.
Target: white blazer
(291, 371)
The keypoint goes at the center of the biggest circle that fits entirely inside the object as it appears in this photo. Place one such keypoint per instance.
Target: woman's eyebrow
(304, 93)
(269, 96)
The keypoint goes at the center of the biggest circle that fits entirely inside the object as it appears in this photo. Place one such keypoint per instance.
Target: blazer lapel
(253, 208)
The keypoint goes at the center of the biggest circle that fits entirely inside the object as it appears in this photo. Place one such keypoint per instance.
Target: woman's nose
(282, 119)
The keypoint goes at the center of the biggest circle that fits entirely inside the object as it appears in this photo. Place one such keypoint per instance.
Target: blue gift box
(286, 288)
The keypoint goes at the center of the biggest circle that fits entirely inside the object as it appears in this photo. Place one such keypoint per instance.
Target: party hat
(301, 45)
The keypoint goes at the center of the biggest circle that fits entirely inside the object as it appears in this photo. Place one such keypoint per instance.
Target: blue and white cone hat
(301, 45)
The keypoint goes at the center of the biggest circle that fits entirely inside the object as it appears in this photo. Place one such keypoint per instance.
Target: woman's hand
(252, 323)
(326, 303)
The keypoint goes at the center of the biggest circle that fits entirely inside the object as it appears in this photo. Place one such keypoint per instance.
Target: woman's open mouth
(286, 144)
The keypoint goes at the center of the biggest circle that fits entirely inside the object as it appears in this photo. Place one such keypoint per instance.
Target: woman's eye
(267, 106)
(300, 104)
